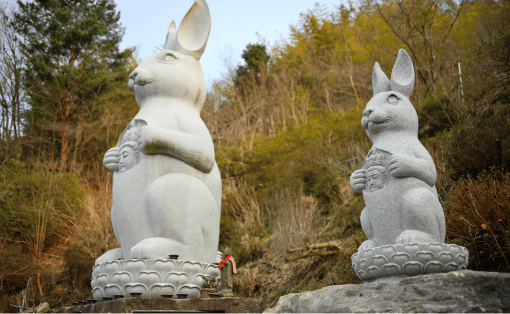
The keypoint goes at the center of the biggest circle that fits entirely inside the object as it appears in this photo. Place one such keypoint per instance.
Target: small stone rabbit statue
(170, 201)
(398, 175)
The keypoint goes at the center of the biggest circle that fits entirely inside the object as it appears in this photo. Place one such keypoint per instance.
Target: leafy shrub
(478, 217)
(480, 143)
(29, 194)
(435, 116)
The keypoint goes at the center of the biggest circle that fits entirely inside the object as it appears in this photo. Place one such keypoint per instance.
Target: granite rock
(458, 291)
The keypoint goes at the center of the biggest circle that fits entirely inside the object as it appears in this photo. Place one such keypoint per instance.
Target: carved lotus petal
(97, 292)
(465, 251)
(400, 258)
(412, 268)
(387, 250)
(111, 290)
(355, 258)
(392, 270)
(97, 269)
(164, 266)
(450, 267)
(355, 267)
(461, 259)
(445, 257)
(148, 277)
(111, 267)
(362, 275)
(102, 280)
(454, 249)
(135, 265)
(121, 278)
(374, 272)
(93, 282)
(433, 267)
(463, 267)
(435, 248)
(379, 260)
(192, 268)
(199, 279)
(177, 278)
(411, 248)
(193, 291)
(368, 254)
(363, 264)
(136, 288)
(159, 289)
(423, 257)
(212, 271)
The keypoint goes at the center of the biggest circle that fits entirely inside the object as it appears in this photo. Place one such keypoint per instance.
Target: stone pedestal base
(463, 291)
(396, 262)
(150, 278)
(161, 305)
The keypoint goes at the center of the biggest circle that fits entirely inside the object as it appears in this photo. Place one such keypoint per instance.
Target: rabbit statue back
(169, 202)
(398, 175)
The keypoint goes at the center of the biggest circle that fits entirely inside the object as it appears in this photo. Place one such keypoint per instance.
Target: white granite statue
(402, 213)
(166, 183)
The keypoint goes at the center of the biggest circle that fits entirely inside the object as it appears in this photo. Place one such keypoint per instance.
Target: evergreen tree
(73, 61)
(256, 58)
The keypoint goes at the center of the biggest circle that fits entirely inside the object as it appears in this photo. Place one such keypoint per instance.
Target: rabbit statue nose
(368, 112)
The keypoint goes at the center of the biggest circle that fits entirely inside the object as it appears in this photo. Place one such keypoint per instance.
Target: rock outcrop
(458, 291)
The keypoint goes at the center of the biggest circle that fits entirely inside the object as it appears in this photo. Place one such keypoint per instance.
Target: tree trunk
(63, 149)
(64, 141)
(39, 274)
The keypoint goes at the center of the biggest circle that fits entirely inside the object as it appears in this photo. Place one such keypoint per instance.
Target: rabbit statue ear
(171, 37)
(194, 30)
(380, 81)
(402, 75)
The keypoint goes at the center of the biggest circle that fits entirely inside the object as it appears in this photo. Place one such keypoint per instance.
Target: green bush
(36, 198)
(302, 155)
(480, 143)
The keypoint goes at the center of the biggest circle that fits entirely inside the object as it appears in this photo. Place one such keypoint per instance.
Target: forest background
(287, 133)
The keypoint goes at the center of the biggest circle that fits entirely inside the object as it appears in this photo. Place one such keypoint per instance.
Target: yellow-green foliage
(30, 194)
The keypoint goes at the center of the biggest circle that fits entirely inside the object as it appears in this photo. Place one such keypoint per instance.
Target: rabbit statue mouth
(143, 83)
(371, 123)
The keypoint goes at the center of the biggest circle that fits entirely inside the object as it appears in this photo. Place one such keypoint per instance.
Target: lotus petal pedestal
(395, 262)
(150, 277)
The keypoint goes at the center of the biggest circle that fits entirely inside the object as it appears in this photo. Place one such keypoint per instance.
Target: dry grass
(292, 219)
(478, 217)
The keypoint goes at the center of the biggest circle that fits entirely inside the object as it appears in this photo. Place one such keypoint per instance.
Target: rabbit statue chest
(383, 195)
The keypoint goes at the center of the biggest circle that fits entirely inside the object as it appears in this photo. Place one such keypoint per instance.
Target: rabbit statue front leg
(184, 220)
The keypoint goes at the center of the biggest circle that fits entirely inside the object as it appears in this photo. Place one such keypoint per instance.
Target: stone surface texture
(458, 292)
(129, 305)
(166, 188)
(391, 262)
(398, 175)
(151, 278)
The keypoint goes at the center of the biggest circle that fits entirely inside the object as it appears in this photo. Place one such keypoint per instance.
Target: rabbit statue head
(175, 72)
(389, 113)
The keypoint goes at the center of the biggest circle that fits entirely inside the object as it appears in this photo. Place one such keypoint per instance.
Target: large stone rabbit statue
(403, 215)
(169, 200)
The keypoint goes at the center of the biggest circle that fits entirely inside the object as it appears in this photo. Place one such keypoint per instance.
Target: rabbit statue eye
(393, 99)
(169, 57)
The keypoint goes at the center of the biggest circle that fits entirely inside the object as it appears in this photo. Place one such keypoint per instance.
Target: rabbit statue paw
(111, 159)
(358, 180)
